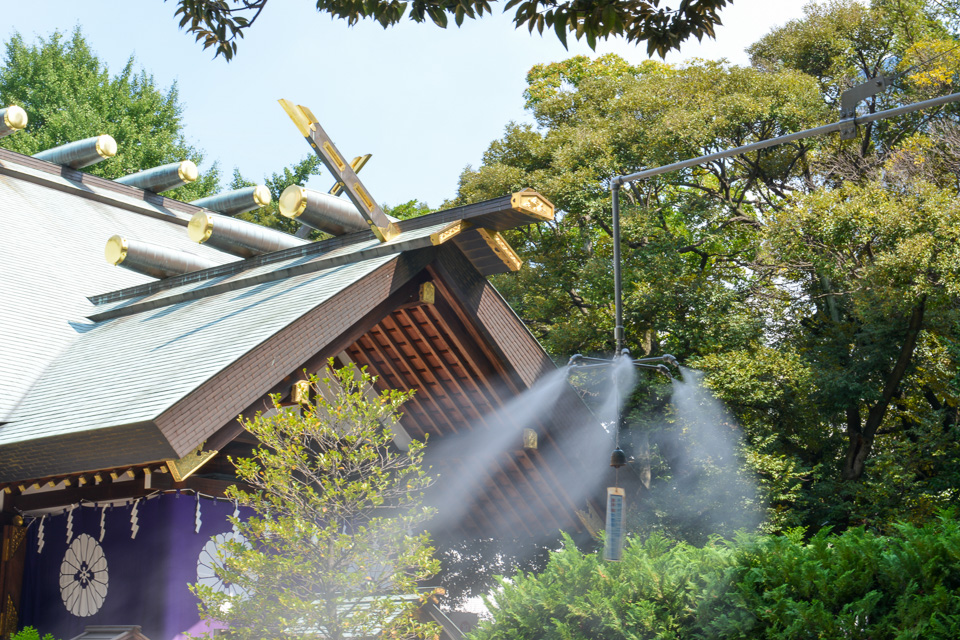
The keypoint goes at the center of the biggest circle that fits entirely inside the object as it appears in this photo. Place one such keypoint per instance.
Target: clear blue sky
(424, 101)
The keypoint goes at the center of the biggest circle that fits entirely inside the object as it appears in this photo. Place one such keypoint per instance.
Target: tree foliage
(221, 23)
(335, 548)
(813, 282)
(69, 95)
(853, 585)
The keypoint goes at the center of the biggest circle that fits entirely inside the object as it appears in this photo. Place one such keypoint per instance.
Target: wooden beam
(483, 395)
(425, 378)
(407, 382)
(404, 293)
(442, 318)
(429, 376)
(206, 486)
(445, 316)
(467, 337)
(532, 495)
(103, 492)
(482, 502)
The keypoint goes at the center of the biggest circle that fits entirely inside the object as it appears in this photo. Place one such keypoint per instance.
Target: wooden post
(13, 553)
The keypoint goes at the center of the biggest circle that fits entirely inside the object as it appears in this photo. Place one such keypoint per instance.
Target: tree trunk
(860, 438)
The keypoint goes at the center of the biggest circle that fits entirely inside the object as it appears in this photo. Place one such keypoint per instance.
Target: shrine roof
(91, 349)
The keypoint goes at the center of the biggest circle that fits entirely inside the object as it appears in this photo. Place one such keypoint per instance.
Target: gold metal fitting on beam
(187, 171)
(301, 116)
(15, 118)
(428, 293)
(187, 465)
(200, 227)
(106, 146)
(532, 202)
(451, 230)
(300, 392)
(116, 250)
(529, 439)
(501, 248)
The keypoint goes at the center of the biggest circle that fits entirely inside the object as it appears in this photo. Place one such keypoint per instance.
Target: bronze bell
(618, 458)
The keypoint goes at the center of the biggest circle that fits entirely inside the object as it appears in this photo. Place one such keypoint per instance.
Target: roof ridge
(43, 172)
(508, 203)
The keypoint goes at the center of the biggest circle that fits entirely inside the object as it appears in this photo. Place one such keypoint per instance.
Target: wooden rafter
(478, 413)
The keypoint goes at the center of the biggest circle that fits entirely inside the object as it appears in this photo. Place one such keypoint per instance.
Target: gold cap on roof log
(321, 210)
(162, 178)
(231, 203)
(106, 146)
(152, 260)
(188, 171)
(293, 201)
(116, 250)
(261, 195)
(239, 237)
(81, 153)
(200, 227)
(12, 119)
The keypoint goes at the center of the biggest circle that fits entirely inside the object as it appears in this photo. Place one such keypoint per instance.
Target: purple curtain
(120, 580)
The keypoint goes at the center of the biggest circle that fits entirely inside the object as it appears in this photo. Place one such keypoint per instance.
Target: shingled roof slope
(52, 237)
(130, 369)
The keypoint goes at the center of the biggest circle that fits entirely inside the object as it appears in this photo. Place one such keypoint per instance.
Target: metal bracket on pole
(853, 96)
(323, 146)
(356, 164)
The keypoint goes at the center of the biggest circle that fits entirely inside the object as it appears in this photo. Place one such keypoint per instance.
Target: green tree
(332, 551)
(853, 585)
(836, 366)
(220, 23)
(688, 239)
(69, 94)
(29, 633)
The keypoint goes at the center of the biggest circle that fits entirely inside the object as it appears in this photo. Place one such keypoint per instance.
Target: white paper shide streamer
(69, 524)
(134, 526)
(43, 519)
(196, 519)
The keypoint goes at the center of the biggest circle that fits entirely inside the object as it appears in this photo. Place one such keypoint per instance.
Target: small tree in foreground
(332, 551)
